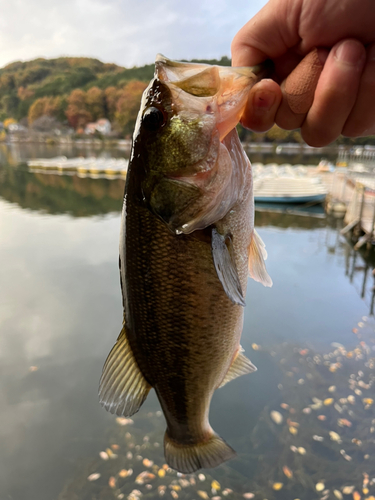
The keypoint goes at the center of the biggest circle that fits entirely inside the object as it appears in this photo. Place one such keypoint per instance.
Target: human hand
(287, 30)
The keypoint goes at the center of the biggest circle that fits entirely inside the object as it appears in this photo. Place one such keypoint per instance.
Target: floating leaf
(293, 430)
(368, 401)
(161, 472)
(248, 496)
(147, 463)
(319, 486)
(104, 455)
(256, 347)
(175, 494)
(94, 476)
(112, 482)
(338, 494)
(301, 450)
(322, 417)
(287, 472)
(124, 421)
(215, 485)
(276, 417)
(356, 496)
(328, 401)
(203, 494)
(334, 436)
(347, 490)
(277, 486)
(201, 477)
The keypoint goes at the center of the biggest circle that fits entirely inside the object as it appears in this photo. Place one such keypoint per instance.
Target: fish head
(186, 112)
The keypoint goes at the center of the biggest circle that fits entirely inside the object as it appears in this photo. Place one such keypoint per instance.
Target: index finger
(269, 34)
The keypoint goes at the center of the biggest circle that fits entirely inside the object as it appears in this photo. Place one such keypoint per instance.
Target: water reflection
(60, 311)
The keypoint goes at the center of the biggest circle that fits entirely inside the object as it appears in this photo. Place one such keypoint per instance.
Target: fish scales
(186, 238)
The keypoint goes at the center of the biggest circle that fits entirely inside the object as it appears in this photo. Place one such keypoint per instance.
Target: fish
(187, 246)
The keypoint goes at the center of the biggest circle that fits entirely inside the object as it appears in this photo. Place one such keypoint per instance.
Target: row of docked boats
(272, 183)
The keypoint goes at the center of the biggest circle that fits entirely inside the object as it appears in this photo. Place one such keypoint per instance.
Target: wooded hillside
(74, 89)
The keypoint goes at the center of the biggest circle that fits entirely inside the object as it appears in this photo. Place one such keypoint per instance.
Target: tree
(77, 112)
(95, 102)
(128, 104)
(49, 106)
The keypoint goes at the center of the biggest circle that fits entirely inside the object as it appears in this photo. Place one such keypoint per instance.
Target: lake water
(60, 313)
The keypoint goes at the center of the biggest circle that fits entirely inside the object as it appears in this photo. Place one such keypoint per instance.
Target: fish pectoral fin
(122, 388)
(241, 365)
(222, 253)
(188, 458)
(257, 256)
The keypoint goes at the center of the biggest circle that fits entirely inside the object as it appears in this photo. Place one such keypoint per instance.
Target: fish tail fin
(190, 458)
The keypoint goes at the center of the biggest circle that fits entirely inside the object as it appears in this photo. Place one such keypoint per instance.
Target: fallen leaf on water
(368, 401)
(319, 486)
(334, 436)
(256, 347)
(147, 463)
(318, 438)
(356, 496)
(115, 447)
(332, 388)
(284, 406)
(33, 369)
(343, 422)
(175, 487)
(175, 494)
(124, 421)
(287, 472)
(94, 476)
(365, 491)
(161, 472)
(201, 477)
(328, 401)
(338, 494)
(112, 482)
(301, 450)
(248, 496)
(322, 417)
(276, 417)
(293, 430)
(215, 485)
(202, 494)
(307, 410)
(104, 455)
(348, 489)
(277, 486)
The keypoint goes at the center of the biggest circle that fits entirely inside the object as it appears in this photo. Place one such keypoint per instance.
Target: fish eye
(153, 119)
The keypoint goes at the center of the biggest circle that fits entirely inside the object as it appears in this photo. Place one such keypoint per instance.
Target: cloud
(127, 32)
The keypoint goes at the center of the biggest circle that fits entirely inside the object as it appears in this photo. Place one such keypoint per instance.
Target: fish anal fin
(257, 256)
(192, 457)
(223, 256)
(241, 365)
(122, 388)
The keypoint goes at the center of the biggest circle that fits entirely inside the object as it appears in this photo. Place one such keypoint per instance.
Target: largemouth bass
(187, 246)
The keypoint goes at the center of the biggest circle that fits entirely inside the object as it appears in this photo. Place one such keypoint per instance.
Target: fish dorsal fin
(122, 387)
(222, 253)
(241, 365)
(257, 256)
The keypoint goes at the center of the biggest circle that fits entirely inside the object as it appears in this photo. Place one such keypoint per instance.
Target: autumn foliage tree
(77, 112)
(95, 103)
(49, 106)
(128, 104)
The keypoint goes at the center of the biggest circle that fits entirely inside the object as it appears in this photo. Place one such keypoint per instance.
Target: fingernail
(350, 52)
(263, 101)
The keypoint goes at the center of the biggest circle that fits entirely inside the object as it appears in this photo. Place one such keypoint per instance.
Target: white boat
(287, 184)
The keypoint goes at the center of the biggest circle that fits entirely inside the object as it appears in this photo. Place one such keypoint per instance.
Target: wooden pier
(353, 193)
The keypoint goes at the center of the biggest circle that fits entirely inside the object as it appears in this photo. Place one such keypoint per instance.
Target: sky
(126, 32)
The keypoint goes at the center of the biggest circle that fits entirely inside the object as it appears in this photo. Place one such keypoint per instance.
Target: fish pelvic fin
(257, 256)
(122, 388)
(190, 458)
(223, 256)
(241, 365)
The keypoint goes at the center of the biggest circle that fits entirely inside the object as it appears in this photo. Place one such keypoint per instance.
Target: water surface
(60, 313)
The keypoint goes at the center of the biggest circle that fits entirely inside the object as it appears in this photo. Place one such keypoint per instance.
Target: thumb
(269, 34)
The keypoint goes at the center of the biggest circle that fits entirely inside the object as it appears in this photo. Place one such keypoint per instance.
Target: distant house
(103, 126)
